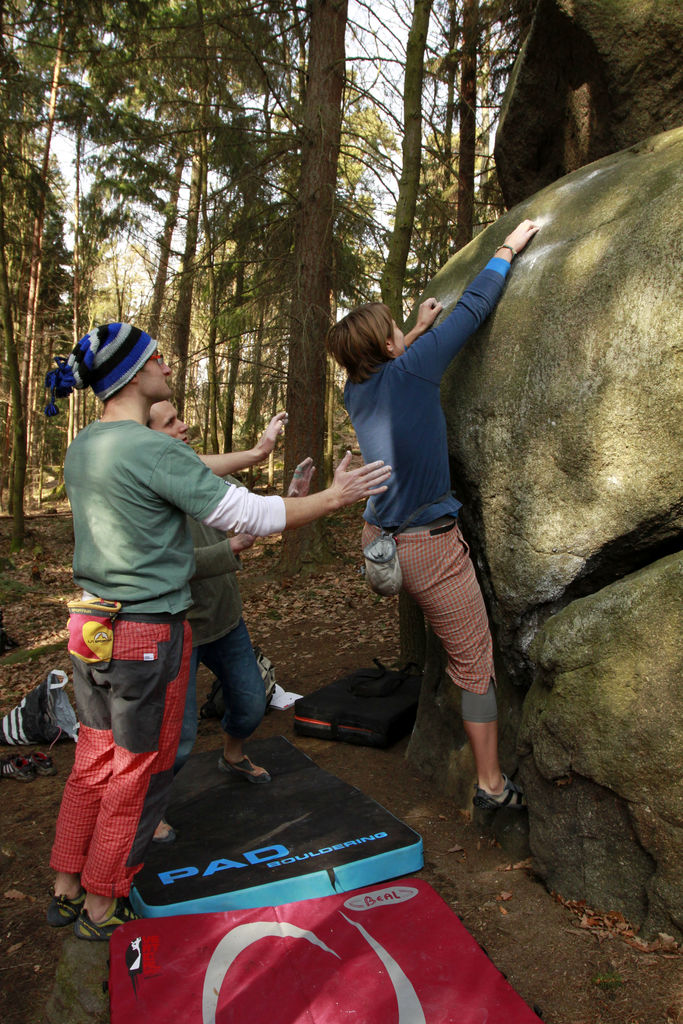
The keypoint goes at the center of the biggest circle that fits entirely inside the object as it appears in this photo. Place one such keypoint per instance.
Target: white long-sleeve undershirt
(240, 511)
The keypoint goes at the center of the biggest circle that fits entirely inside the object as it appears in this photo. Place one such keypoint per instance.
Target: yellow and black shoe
(119, 913)
(63, 911)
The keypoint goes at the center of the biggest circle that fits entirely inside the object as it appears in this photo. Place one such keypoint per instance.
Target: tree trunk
(205, 425)
(212, 388)
(37, 249)
(310, 309)
(210, 412)
(4, 462)
(165, 241)
(76, 292)
(271, 457)
(19, 422)
(399, 244)
(328, 466)
(412, 630)
(234, 350)
(212, 396)
(72, 424)
(42, 356)
(230, 392)
(450, 206)
(468, 123)
(252, 420)
(183, 315)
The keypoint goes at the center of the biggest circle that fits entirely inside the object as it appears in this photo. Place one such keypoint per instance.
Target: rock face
(601, 747)
(565, 437)
(593, 77)
(80, 994)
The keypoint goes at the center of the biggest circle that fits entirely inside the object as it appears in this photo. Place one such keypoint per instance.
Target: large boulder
(564, 426)
(593, 77)
(602, 757)
(564, 411)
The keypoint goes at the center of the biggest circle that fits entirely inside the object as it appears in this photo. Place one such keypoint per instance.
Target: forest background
(230, 177)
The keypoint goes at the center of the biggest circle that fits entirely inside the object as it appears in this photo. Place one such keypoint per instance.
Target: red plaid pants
(438, 573)
(130, 713)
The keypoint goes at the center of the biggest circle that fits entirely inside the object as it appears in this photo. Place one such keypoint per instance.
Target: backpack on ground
(44, 715)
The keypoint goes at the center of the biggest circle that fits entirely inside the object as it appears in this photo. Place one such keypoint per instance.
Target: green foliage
(145, 83)
(609, 983)
(22, 656)
(10, 588)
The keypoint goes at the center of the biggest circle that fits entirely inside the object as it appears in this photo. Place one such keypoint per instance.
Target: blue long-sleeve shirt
(397, 412)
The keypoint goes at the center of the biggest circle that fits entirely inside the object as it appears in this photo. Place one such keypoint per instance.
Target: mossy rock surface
(80, 994)
(601, 750)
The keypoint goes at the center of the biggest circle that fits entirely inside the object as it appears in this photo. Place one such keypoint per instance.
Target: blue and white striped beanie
(105, 360)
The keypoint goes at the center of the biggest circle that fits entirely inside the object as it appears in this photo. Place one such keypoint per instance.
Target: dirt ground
(577, 965)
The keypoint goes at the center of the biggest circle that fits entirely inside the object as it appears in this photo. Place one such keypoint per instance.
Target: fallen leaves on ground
(320, 605)
(521, 865)
(613, 925)
(14, 894)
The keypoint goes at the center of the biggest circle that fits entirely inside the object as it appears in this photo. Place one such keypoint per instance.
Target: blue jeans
(232, 660)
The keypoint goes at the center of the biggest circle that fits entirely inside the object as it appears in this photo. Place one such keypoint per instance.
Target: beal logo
(381, 897)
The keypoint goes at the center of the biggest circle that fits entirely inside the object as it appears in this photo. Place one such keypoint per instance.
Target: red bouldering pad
(390, 954)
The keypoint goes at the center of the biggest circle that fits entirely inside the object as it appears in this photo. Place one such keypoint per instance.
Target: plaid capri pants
(439, 575)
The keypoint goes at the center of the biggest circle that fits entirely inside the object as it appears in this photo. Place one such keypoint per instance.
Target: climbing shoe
(120, 912)
(63, 911)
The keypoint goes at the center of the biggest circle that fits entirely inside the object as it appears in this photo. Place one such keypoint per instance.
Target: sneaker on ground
(121, 912)
(17, 767)
(63, 911)
(42, 763)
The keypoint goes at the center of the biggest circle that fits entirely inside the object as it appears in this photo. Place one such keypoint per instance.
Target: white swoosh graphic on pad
(236, 941)
(232, 944)
(409, 1007)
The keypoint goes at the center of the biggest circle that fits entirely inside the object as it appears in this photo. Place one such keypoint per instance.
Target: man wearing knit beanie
(105, 360)
(130, 489)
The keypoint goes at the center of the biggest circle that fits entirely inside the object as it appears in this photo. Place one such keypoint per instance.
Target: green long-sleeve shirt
(217, 603)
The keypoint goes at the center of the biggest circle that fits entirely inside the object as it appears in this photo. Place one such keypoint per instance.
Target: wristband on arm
(506, 246)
